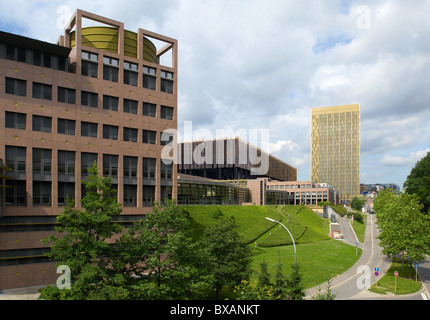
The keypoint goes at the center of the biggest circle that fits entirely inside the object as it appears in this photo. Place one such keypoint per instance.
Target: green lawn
(320, 257)
(319, 261)
(404, 284)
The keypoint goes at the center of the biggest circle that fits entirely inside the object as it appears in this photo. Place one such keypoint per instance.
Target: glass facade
(335, 148)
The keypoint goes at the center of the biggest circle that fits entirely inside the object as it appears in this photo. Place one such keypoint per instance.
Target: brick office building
(98, 94)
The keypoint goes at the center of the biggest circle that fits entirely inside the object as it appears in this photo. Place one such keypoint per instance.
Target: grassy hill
(321, 257)
(304, 224)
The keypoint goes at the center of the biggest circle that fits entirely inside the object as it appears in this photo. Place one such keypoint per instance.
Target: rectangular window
(15, 120)
(37, 58)
(16, 53)
(15, 160)
(149, 136)
(87, 161)
(42, 164)
(149, 169)
(110, 166)
(89, 99)
(41, 193)
(65, 126)
(110, 69)
(42, 91)
(66, 166)
(66, 95)
(66, 190)
(166, 113)
(89, 64)
(149, 78)
(16, 86)
(130, 192)
(130, 73)
(110, 132)
(166, 82)
(130, 169)
(16, 195)
(130, 106)
(149, 109)
(166, 139)
(166, 171)
(110, 103)
(148, 195)
(130, 134)
(42, 124)
(89, 129)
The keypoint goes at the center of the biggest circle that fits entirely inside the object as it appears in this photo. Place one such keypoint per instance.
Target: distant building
(229, 159)
(335, 148)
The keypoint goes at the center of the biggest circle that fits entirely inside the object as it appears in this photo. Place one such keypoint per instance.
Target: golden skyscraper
(335, 148)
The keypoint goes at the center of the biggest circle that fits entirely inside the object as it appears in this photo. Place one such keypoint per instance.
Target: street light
(294, 244)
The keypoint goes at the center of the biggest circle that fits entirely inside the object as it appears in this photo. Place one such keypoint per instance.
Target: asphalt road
(353, 284)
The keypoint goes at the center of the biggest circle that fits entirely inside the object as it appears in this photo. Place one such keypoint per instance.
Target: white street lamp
(294, 244)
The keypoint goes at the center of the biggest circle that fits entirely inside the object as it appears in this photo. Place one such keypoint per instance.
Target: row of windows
(41, 160)
(34, 57)
(15, 120)
(89, 99)
(42, 193)
(66, 171)
(90, 66)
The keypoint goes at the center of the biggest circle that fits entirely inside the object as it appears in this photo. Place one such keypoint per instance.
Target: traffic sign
(416, 266)
(376, 268)
(376, 273)
(396, 273)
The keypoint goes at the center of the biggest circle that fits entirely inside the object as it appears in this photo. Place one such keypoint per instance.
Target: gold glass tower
(335, 148)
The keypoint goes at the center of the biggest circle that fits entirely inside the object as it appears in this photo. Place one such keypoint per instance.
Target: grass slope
(320, 257)
(251, 219)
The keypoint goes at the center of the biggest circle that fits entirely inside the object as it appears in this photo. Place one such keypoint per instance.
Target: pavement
(29, 293)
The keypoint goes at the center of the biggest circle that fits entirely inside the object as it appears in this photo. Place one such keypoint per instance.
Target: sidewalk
(30, 293)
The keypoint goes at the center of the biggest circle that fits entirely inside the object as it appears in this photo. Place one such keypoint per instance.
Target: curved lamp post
(294, 244)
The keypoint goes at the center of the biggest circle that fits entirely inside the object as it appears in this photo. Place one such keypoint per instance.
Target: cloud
(391, 160)
(264, 65)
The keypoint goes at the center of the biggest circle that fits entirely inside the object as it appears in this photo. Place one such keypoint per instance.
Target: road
(353, 283)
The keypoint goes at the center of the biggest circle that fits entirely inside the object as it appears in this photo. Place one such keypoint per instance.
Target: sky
(263, 65)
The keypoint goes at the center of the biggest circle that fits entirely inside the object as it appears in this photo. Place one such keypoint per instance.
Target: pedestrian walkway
(29, 293)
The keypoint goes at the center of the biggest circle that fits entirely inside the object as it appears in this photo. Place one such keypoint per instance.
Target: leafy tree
(83, 243)
(404, 228)
(158, 257)
(357, 204)
(418, 182)
(227, 258)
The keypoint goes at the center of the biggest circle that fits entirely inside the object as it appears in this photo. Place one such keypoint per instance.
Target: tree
(295, 290)
(264, 276)
(158, 257)
(357, 204)
(405, 230)
(418, 182)
(227, 258)
(84, 243)
(279, 287)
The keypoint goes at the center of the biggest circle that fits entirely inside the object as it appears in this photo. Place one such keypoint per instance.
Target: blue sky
(264, 64)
